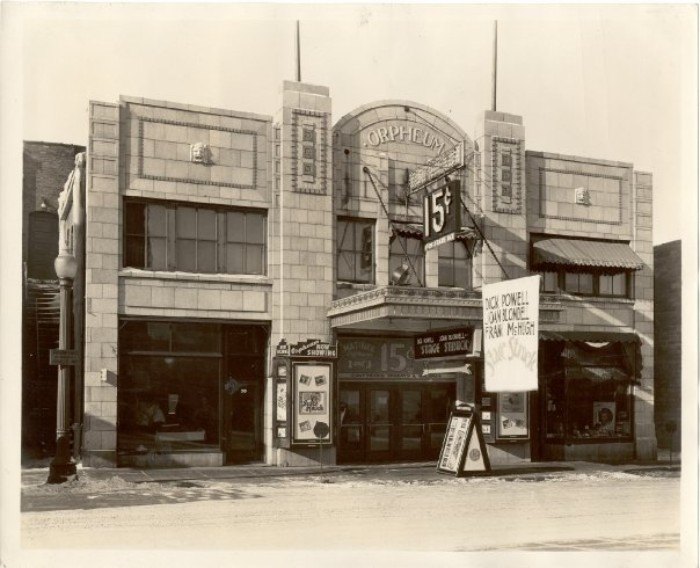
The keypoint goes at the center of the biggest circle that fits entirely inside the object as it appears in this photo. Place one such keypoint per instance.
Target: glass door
(379, 424)
(411, 443)
(351, 419)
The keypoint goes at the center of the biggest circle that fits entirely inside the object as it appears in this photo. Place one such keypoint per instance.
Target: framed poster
(455, 443)
(512, 415)
(281, 401)
(311, 402)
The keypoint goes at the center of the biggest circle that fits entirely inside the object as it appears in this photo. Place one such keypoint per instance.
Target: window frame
(355, 222)
(172, 238)
(596, 276)
(401, 254)
(469, 266)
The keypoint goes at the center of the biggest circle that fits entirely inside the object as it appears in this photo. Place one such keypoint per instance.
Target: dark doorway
(243, 389)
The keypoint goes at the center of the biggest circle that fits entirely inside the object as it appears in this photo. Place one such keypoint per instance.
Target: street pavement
(572, 506)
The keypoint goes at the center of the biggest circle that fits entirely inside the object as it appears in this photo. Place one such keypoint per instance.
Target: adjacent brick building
(667, 347)
(218, 238)
(45, 167)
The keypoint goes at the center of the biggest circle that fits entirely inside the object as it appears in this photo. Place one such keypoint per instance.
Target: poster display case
(311, 408)
(512, 422)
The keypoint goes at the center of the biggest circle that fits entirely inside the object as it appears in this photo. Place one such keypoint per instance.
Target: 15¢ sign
(441, 215)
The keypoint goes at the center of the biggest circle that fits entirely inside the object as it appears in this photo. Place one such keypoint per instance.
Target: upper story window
(549, 283)
(355, 249)
(406, 256)
(585, 267)
(454, 265)
(603, 284)
(175, 236)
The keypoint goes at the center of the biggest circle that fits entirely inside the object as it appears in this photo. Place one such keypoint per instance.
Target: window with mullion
(245, 242)
(398, 259)
(454, 265)
(355, 248)
(170, 236)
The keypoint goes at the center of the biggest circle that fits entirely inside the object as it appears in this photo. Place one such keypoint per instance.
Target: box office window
(355, 250)
(168, 397)
(174, 236)
(588, 395)
(454, 265)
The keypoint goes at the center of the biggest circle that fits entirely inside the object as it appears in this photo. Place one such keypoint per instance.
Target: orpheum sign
(444, 343)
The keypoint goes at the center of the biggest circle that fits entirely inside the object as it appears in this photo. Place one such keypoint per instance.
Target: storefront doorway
(383, 421)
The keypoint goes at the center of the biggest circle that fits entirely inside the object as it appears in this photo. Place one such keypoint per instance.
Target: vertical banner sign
(511, 326)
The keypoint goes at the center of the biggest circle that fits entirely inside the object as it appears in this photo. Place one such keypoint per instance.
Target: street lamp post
(62, 467)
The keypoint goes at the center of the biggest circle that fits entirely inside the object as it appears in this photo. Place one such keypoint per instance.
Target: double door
(392, 422)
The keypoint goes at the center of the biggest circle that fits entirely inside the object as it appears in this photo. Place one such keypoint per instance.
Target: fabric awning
(573, 252)
(590, 336)
(410, 230)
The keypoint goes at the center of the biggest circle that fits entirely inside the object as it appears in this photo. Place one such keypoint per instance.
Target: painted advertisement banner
(378, 358)
(312, 395)
(511, 327)
(444, 343)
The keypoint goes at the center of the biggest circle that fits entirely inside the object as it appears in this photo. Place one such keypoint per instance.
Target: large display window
(169, 387)
(589, 393)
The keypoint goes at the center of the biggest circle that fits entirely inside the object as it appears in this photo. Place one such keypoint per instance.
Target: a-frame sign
(463, 449)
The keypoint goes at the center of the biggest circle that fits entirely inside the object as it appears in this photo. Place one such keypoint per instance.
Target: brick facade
(668, 342)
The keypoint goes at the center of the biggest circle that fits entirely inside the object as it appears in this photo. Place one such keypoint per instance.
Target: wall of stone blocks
(552, 182)
(668, 315)
(102, 248)
(504, 224)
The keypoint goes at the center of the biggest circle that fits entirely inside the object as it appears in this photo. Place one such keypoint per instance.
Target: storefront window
(589, 398)
(168, 403)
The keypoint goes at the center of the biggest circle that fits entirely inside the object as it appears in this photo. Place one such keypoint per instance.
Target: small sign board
(308, 348)
(442, 215)
(440, 165)
(463, 449)
(64, 357)
(444, 343)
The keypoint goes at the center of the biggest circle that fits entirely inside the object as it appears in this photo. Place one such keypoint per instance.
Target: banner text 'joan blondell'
(511, 322)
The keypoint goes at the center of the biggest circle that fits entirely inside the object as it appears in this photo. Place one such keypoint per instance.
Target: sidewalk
(405, 471)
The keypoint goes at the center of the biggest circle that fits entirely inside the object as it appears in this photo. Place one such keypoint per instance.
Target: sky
(615, 82)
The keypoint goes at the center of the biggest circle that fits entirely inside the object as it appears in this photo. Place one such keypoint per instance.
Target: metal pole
(298, 54)
(62, 467)
(495, 65)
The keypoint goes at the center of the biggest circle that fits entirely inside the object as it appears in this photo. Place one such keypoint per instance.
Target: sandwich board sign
(463, 449)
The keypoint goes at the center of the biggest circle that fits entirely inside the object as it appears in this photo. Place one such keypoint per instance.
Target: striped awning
(573, 252)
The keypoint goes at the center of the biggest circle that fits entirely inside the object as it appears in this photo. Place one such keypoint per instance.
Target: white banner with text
(511, 334)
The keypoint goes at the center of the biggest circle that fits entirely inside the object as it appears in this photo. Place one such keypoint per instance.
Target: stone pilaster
(501, 189)
(102, 248)
(645, 432)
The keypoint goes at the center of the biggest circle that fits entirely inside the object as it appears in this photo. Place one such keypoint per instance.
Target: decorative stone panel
(309, 151)
(506, 175)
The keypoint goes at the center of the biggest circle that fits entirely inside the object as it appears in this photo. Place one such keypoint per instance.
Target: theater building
(255, 284)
